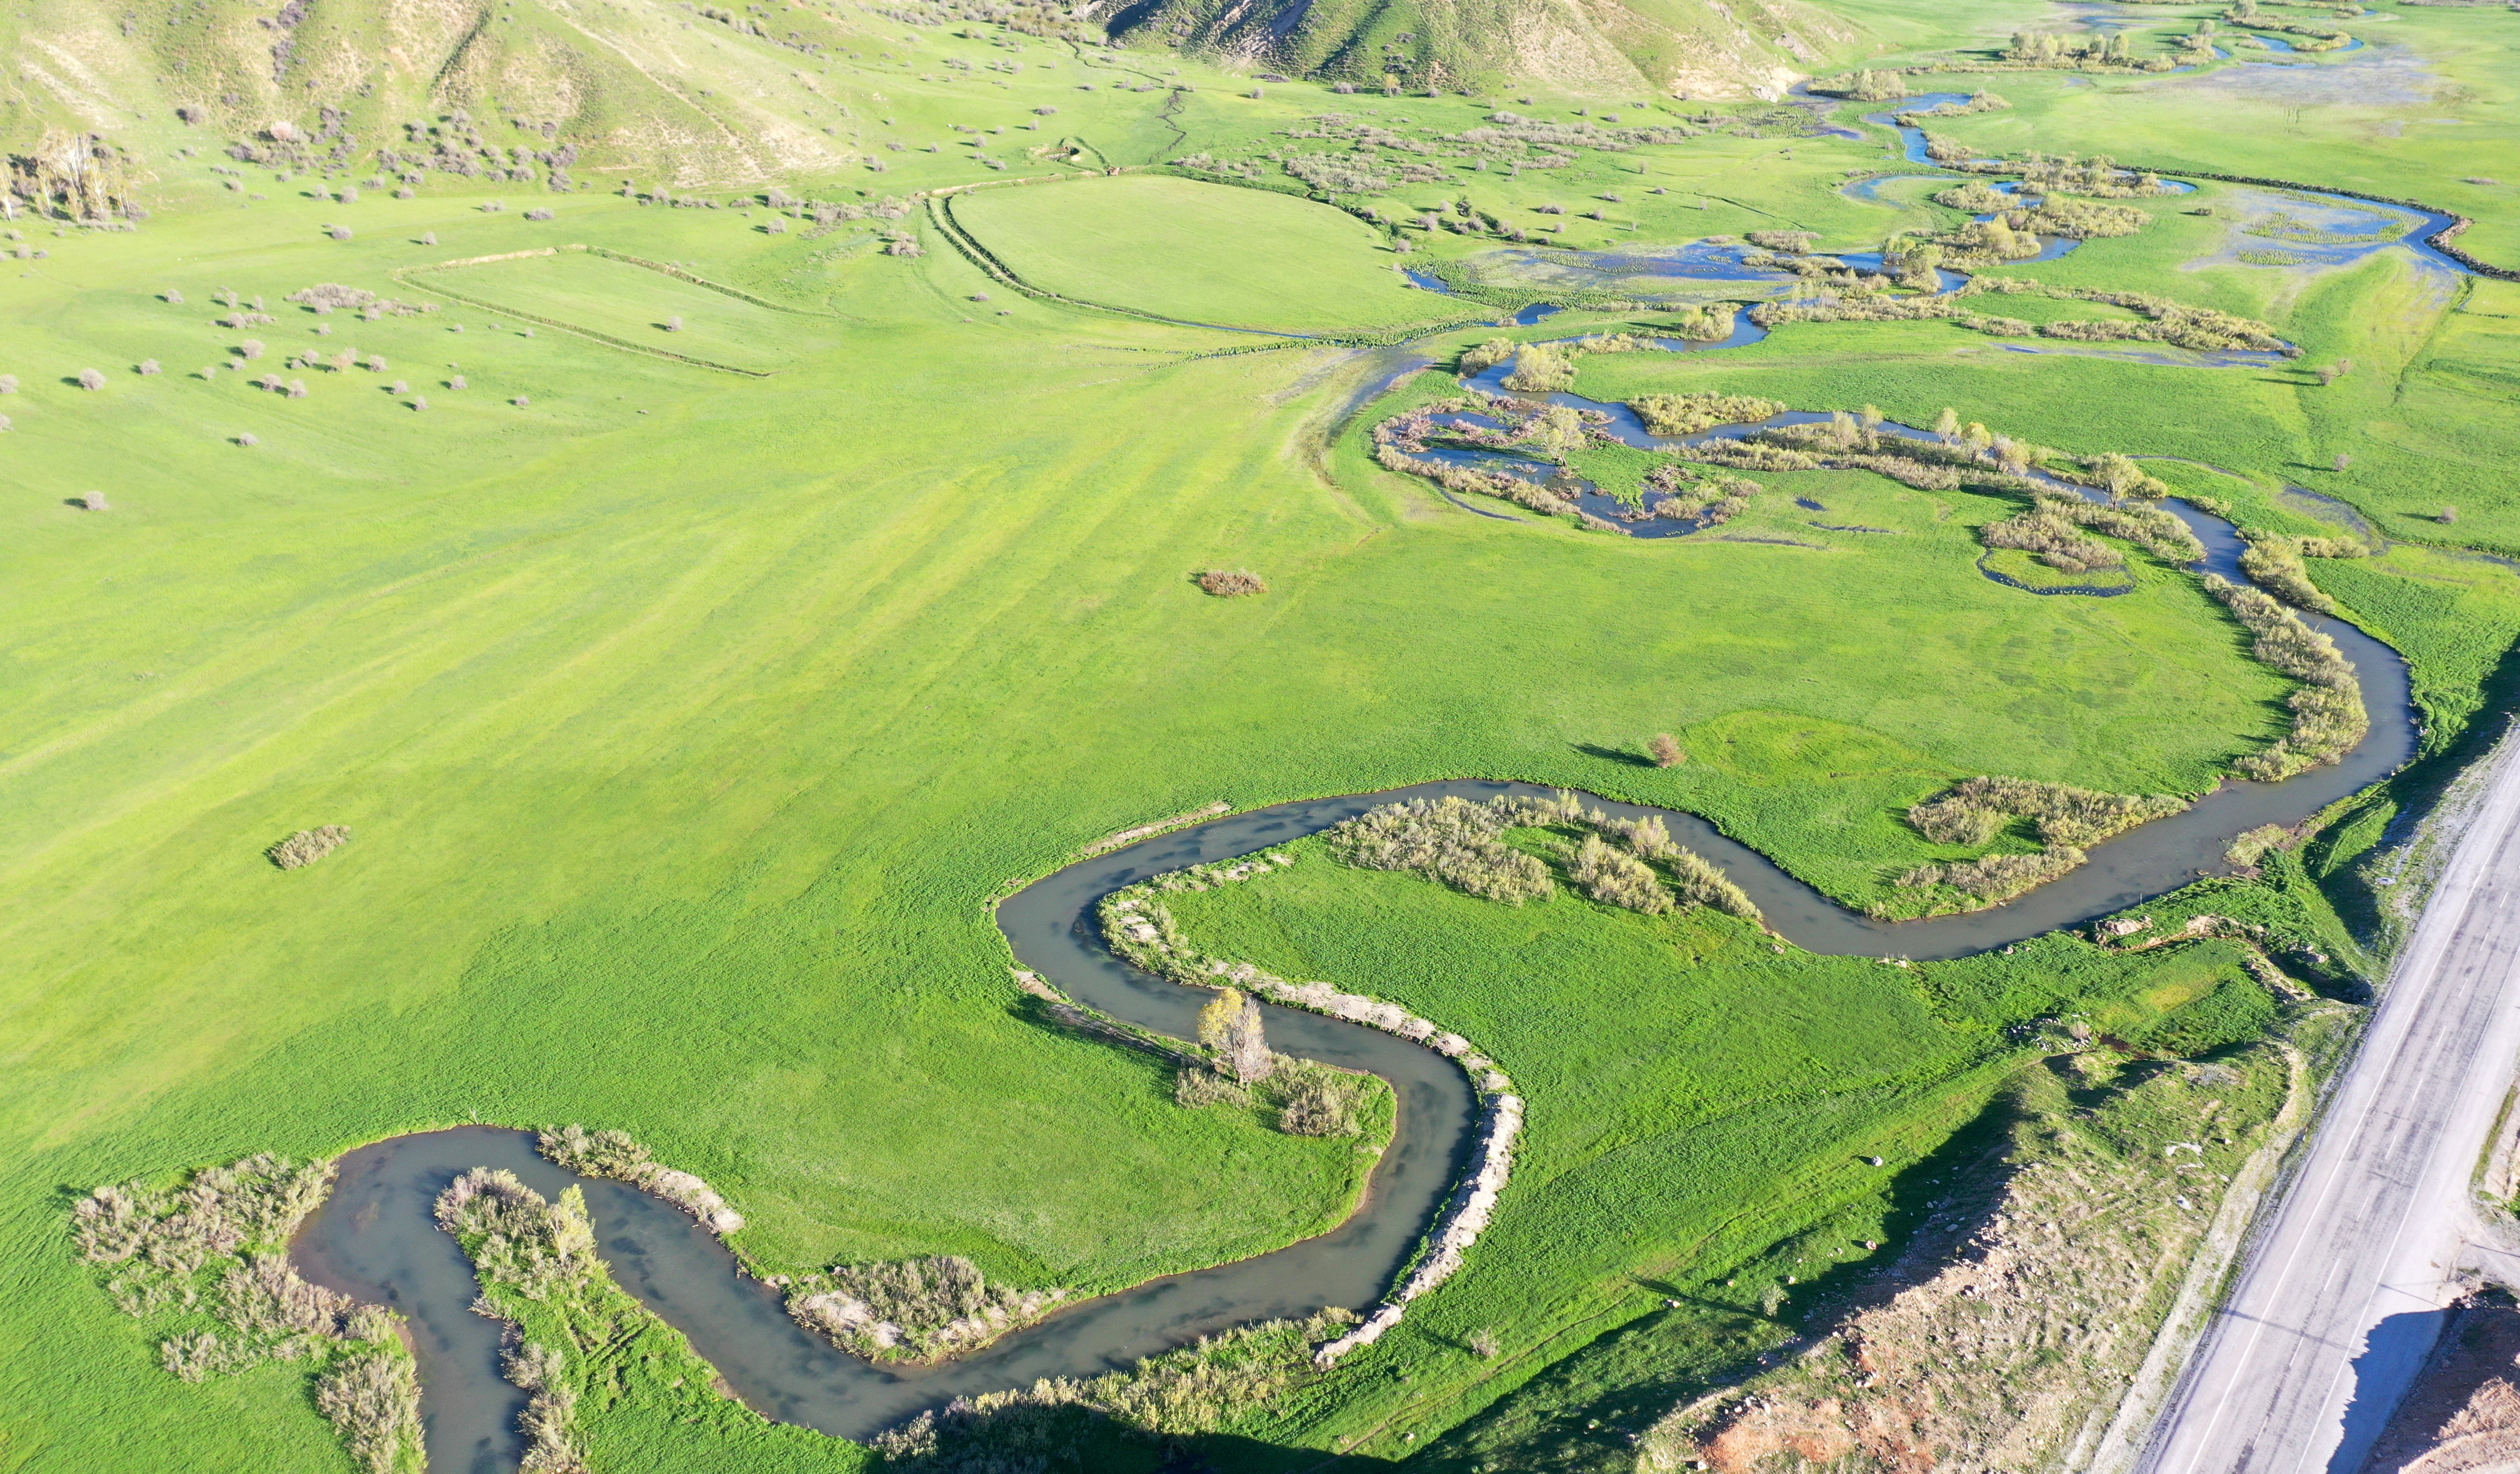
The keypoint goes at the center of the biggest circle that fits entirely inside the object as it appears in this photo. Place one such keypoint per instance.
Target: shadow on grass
(1615, 754)
(1586, 1411)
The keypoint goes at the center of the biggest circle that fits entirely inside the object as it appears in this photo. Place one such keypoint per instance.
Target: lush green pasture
(1197, 251)
(638, 305)
(688, 725)
(684, 748)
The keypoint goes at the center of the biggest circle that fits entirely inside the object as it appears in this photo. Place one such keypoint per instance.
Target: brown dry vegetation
(2012, 1324)
(1233, 582)
(307, 846)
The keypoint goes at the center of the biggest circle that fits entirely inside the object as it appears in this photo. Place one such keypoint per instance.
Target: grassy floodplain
(687, 723)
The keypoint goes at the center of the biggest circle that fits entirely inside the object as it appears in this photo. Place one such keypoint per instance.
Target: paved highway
(2343, 1294)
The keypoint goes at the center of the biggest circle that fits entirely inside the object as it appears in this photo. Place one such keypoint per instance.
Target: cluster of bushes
(1398, 442)
(1338, 174)
(1865, 86)
(1199, 1389)
(2175, 323)
(1977, 197)
(2055, 540)
(1706, 501)
(1461, 843)
(326, 298)
(2160, 532)
(2328, 718)
(1974, 813)
(915, 1309)
(2039, 50)
(1995, 878)
(1486, 355)
(1449, 840)
(2274, 562)
(1687, 414)
(1616, 877)
(2079, 219)
(551, 1408)
(2098, 176)
(219, 1245)
(1585, 134)
(518, 1238)
(618, 1157)
(1710, 323)
(1541, 368)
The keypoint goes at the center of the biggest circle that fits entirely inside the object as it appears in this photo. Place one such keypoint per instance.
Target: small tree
(456, 382)
(398, 387)
(149, 366)
(298, 389)
(174, 297)
(420, 401)
(91, 379)
(674, 324)
(2343, 460)
(429, 239)
(2450, 514)
(94, 501)
(8, 384)
(521, 401)
(1230, 1028)
(249, 439)
(1666, 751)
(252, 347)
(1947, 425)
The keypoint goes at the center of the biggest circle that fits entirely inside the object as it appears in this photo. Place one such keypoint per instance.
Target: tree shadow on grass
(1615, 754)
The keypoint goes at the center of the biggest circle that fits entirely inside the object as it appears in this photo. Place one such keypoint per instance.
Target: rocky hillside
(104, 101)
(1610, 48)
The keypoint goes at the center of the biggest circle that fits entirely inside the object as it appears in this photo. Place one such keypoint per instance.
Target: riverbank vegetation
(210, 1256)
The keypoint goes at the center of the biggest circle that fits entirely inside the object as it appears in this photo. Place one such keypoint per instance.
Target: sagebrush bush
(1665, 750)
(91, 379)
(1234, 582)
(307, 846)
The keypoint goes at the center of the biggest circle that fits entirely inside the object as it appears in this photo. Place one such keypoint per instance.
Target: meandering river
(375, 1237)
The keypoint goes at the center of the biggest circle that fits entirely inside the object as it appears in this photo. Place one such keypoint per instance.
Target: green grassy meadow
(688, 724)
(1182, 249)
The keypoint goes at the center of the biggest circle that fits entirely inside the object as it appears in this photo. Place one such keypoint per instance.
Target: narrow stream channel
(375, 1237)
